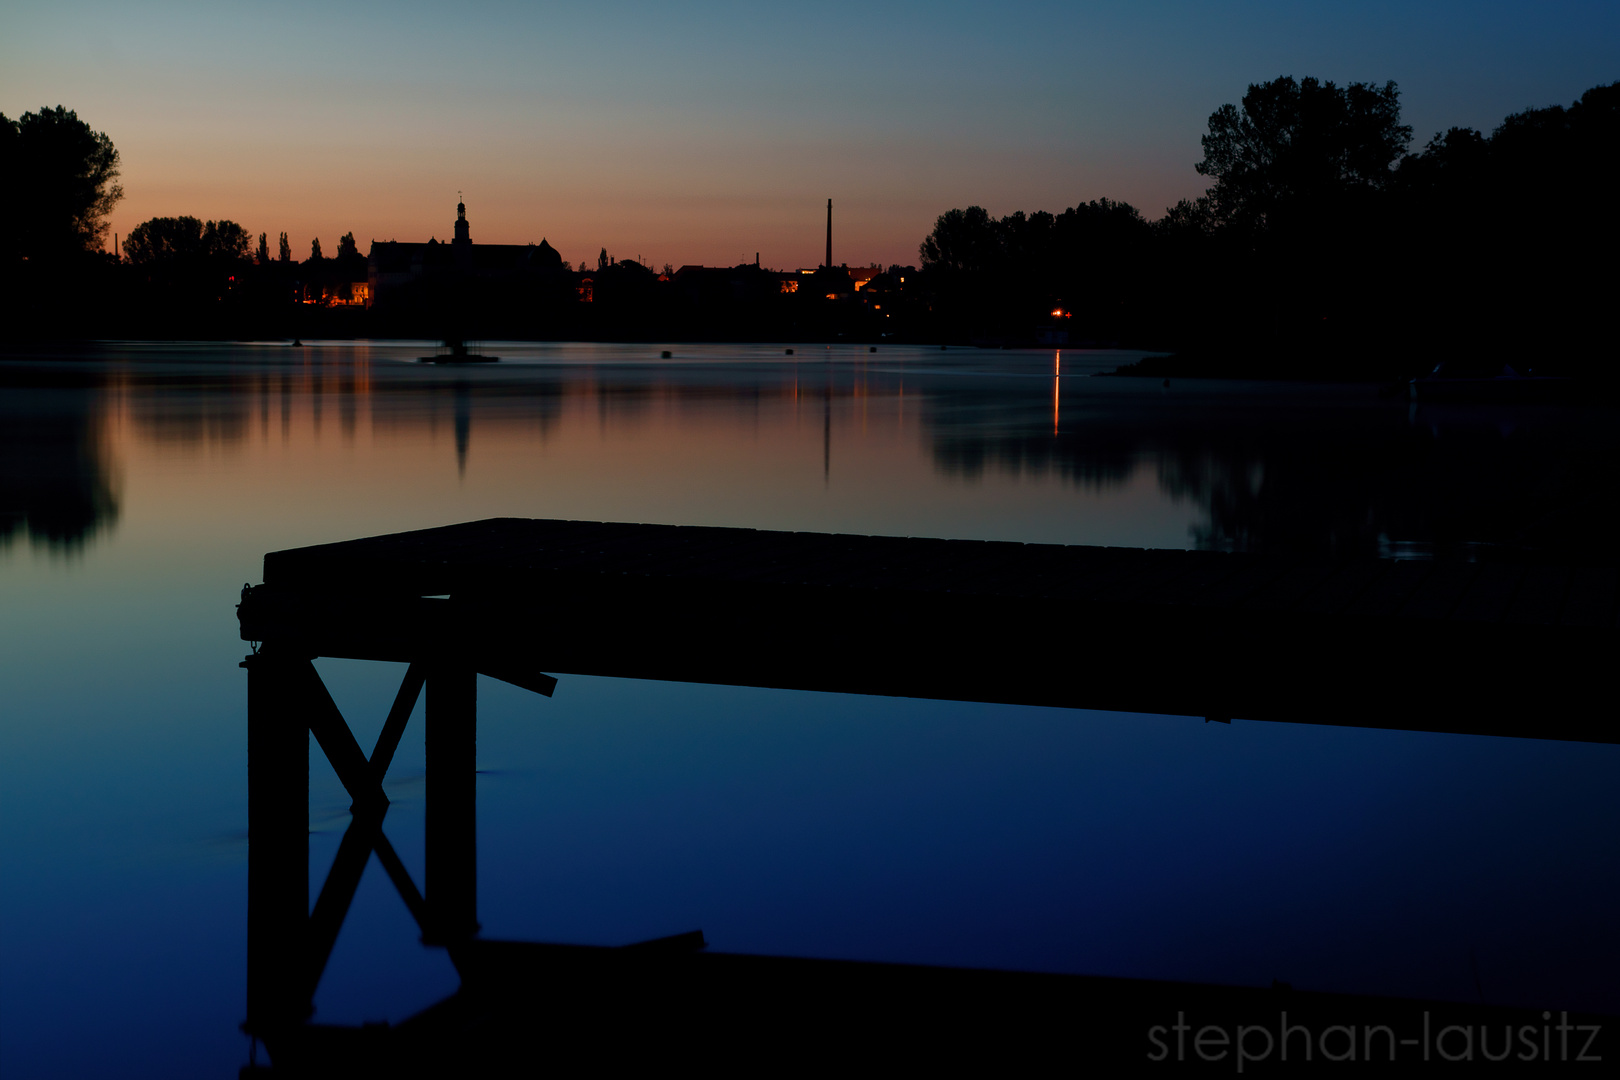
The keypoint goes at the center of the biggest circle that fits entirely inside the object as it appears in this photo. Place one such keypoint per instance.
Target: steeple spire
(463, 230)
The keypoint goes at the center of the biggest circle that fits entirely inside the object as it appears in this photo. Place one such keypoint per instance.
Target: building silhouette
(392, 265)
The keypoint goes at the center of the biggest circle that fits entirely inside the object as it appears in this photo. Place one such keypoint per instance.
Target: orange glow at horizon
(705, 133)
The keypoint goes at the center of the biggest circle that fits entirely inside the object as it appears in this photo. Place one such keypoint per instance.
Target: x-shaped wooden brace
(362, 777)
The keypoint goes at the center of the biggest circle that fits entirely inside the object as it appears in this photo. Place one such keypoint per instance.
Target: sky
(705, 132)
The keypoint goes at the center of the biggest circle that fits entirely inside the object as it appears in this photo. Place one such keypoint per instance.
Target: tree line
(1325, 244)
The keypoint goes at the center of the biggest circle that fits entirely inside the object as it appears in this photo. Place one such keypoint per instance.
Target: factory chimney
(829, 234)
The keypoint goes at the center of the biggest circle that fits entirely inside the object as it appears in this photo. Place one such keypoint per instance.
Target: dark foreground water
(140, 486)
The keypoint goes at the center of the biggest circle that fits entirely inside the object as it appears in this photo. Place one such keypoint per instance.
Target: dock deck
(1482, 648)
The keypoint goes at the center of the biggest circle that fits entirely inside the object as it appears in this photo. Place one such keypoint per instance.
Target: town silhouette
(1328, 244)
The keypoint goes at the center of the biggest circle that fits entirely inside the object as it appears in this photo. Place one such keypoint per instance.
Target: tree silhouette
(347, 248)
(1295, 146)
(61, 173)
(963, 242)
(183, 239)
(187, 268)
(997, 278)
(286, 249)
(226, 240)
(315, 250)
(164, 239)
(602, 260)
(262, 257)
(1512, 235)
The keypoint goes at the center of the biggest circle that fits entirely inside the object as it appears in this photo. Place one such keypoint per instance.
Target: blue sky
(705, 132)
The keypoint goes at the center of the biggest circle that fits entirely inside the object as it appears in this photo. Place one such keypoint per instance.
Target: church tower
(463, 230)
(461, 247)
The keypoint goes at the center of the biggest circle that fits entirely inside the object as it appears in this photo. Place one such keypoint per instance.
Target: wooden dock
(1480, 648)
(1486, 649)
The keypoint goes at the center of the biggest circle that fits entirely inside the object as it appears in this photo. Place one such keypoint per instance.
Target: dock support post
(451, 811)
(278, 996)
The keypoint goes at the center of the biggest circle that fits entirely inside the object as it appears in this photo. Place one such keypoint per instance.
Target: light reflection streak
(1057, 372)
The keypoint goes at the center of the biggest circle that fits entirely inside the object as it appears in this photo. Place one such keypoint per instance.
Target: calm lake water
(140, 486)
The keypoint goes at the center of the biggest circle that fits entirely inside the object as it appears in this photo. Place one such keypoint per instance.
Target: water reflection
(880, 829)
(57, 484)
(1296, 469)
(1307, 470)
